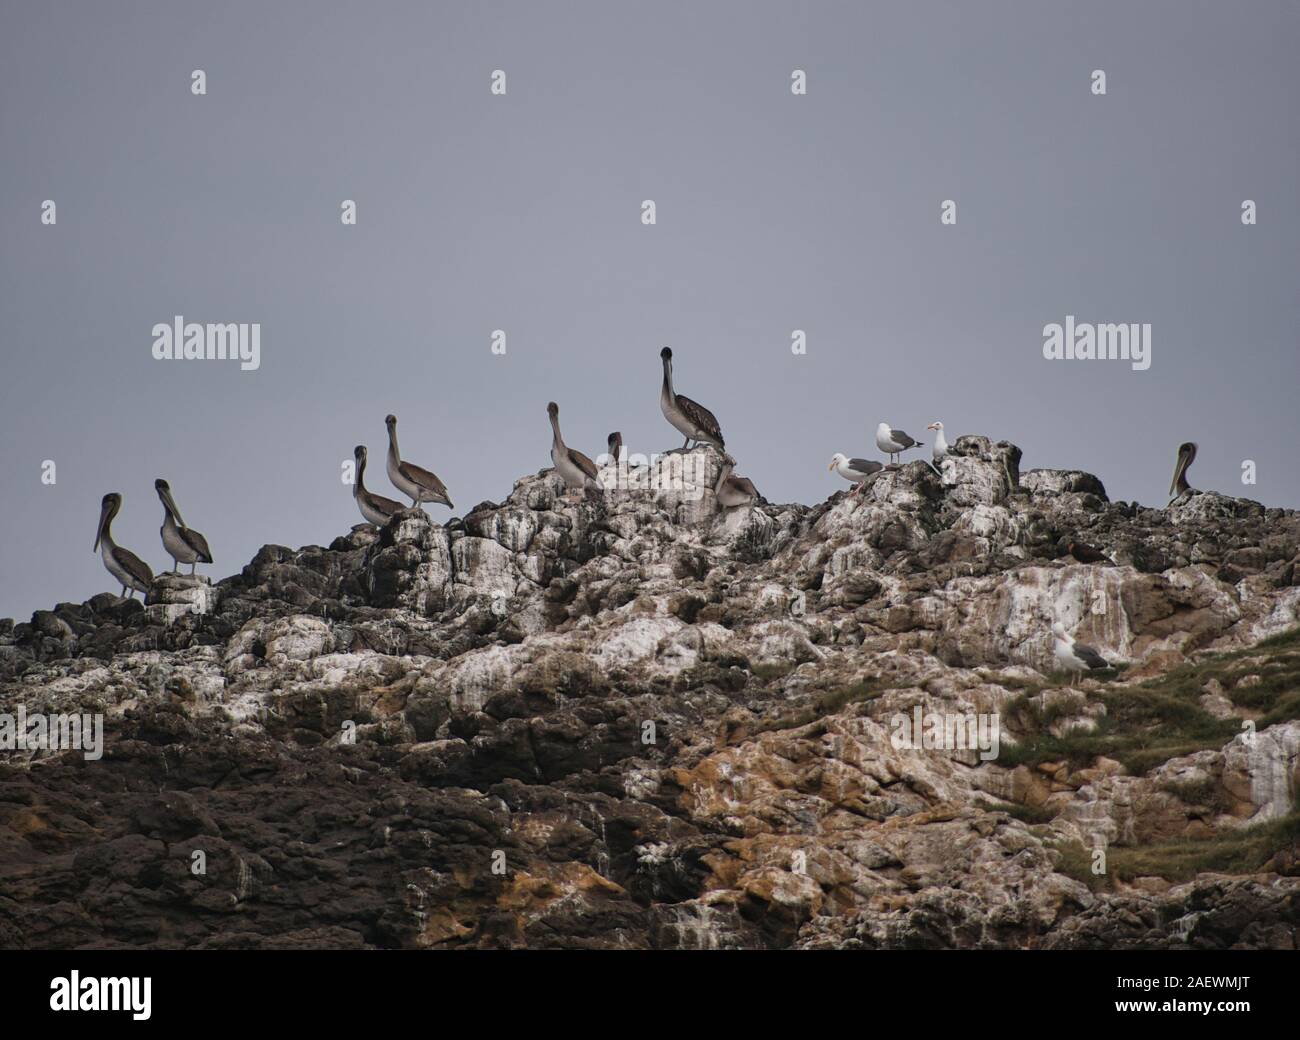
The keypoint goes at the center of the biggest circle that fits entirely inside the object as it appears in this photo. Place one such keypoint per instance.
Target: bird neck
(668, 379)
(723, 474)
(359, 488)
(392, 445)
(557, 440)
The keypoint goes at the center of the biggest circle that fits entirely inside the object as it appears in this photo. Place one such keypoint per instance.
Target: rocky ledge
(634, 721)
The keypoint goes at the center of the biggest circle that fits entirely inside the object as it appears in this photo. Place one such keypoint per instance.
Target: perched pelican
(409, 478)
(1075, 657)
(123, 564)
(615, 446)
(692, 420)
(183, 544)
(577, 470)
(1186, 456)
(375, 508)
(940, 442)
(855, 471)
(733, 491)
(1085, 553)
(892, 442)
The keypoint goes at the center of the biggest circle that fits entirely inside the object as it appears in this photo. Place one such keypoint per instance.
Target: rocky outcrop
(635, 720)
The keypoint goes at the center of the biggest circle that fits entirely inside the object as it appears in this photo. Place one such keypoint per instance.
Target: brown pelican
(940, 442)
(892, 442)
(375, 508)
(409, 478)
(1186, 456)
(855, 471)
(1085, 553)
(733, 491)
(692, 420)
(1075, 657)
(123, 564)
(183, 544)
(577, 470)
(615, 446)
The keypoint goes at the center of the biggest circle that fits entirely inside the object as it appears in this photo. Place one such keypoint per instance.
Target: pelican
(855, 471)
(183, 544)
(733, 491)
(123, 564)
(410, 479)
(892, 442)
(940, 442)
(577, 470)
(615, 443)
(1075, 657)
(692, 420)
(375, 508)
(1186, 456)
(1085, 553)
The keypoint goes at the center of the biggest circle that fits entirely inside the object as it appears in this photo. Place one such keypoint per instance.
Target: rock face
(634, 721)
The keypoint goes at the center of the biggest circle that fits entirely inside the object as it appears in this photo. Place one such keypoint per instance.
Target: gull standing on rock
(578, 471)
(692, 420)
(940, 442)
(183, 544)
(410, 479)
(1075, 657)
(124, 565)
(375, 508)
(856, 471)
(892, 442)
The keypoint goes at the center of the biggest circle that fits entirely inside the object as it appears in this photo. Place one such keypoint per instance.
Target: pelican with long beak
(691, 419)
(578, 471)
(124, 565)
(184, 544)
(615, 443)
(375, 508)
(410, 479)
(733, 491)
(1186, 456)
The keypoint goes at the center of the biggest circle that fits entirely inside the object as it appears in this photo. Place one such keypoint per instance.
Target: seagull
(733, 491)
(577, 470)
(409, 478)
(1075, 657)
(940, 444)
(183, 544)
(375, 508)
(692, 420)
(124, 565)
(892, 442)
(1186, 456)
(855, 471)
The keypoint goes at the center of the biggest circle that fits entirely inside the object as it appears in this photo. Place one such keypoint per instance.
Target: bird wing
(1090, 657)
(899, 437)
(419, 475)
(133, 565)
(198, 543)
(1186, 455)
(865, 466)
(583, 463)
(384, 505)
(701, 417)
(744, 485)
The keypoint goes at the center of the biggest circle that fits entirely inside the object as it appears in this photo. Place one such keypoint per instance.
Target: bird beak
(831, 466)
(171, 504)
(99, 531)
(932, 427)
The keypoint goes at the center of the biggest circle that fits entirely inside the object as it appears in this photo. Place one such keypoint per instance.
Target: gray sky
(522, 213)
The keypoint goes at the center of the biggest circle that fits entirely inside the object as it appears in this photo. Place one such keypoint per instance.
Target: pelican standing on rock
(892, 442)
(1186, 456)
(733, 491)
(578, 471)
(375, 508)
(124, 565)
(615, 443)
(692, 420)
(1075, 657)
(183, 544)
(856, 471)
(410, 479)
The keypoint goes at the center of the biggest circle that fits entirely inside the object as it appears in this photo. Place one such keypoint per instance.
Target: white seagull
(892, 441)
(856, 471)
(940, 442)
(1075, 657)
